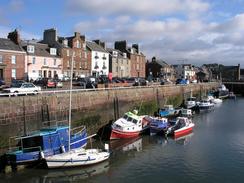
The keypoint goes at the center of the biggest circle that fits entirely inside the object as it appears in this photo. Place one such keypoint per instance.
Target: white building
(99, 58)
(185, 71)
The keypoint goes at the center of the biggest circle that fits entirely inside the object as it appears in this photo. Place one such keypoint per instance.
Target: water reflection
(184, 140)
(57, 175)
(70, 175)
(127, 144)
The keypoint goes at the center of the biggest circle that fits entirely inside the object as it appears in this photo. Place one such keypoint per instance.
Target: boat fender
(42, 156)
(106, 147)
(88, 159)
(62, 149)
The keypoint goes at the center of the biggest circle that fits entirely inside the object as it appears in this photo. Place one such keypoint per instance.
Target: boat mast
(70, 98)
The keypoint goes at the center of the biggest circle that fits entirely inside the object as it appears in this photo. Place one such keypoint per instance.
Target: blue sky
(197, 31)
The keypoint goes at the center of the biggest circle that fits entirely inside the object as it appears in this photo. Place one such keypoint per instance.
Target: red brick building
(137, 59)
(12, 58)
(66, 46)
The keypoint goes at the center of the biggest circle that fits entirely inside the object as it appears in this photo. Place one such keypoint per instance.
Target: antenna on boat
(70, 98)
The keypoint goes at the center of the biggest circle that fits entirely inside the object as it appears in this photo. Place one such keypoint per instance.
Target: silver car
(22, 89)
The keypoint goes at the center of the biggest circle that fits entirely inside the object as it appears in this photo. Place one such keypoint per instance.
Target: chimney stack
(136, 47)
(121, 45)
(50, 36)
(14, 36)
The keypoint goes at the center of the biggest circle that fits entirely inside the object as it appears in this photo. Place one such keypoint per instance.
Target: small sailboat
(79, 156)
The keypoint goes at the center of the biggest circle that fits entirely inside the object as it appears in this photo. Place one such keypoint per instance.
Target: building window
(30, 49)
(67, 53)
(45, 61)
(80, 54)
(54, 61)
(85, 65)
(40, 73)
(1, 59)
(85, 55)
(96, 56)
(13, 59)
(117, 69)
(53, 51)
(84, 46)
(33, 60)
(14, 73)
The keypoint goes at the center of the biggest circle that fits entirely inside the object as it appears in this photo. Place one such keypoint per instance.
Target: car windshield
(16, 85)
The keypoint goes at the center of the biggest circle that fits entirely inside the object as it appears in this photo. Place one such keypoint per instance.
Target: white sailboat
(79, 156)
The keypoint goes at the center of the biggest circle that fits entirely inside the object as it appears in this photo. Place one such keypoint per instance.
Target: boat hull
(183, 131)
(115, 134)
(76, 158)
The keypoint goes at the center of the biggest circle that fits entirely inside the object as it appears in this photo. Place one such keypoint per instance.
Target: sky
(177, 31)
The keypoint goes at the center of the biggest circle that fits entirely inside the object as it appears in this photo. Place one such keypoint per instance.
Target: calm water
(214, 152)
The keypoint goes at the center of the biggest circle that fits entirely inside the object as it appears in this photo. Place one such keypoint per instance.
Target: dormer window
(115, 53)
(124, 55)
(30, 49)
(65, 42)
(53, 51)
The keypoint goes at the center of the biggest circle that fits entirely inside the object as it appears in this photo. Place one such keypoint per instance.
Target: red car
(51, 83)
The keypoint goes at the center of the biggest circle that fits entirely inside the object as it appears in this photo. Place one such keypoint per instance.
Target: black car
(2, 82)
(140, 82)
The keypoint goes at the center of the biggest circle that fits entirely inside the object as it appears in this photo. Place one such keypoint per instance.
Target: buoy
(42, 156)
(62, 149)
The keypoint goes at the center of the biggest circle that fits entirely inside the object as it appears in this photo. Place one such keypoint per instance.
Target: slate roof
(7, 44)
(42, 50)
(120, 53)
(95, 47)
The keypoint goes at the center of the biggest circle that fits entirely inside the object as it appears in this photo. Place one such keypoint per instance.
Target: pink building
(41, 61)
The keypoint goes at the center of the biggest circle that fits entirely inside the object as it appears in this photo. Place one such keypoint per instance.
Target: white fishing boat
(190, 102)
(129, 126)
(79, 156)
(205, 104)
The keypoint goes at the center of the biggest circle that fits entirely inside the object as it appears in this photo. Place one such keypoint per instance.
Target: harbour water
(214, 152)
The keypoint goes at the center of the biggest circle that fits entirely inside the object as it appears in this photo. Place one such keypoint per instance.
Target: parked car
(2, 82)
(86, 82)
(182, 81)
(58, 83)
(140, 82)
(22, 89)
(16, 83)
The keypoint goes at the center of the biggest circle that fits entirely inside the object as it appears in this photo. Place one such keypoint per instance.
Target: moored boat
(77, 157)
(214, 100)
(45, 142)
(158, 125)
(232, 95)
(169, 110)
(182, 126)
(128, 126)
(191, 102)
(205, 105)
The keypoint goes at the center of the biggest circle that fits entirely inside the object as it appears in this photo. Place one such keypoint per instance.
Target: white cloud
(136, 7)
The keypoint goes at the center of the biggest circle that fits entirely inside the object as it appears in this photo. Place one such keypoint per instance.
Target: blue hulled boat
(45, 142)
(169, 110)
(158, 125)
